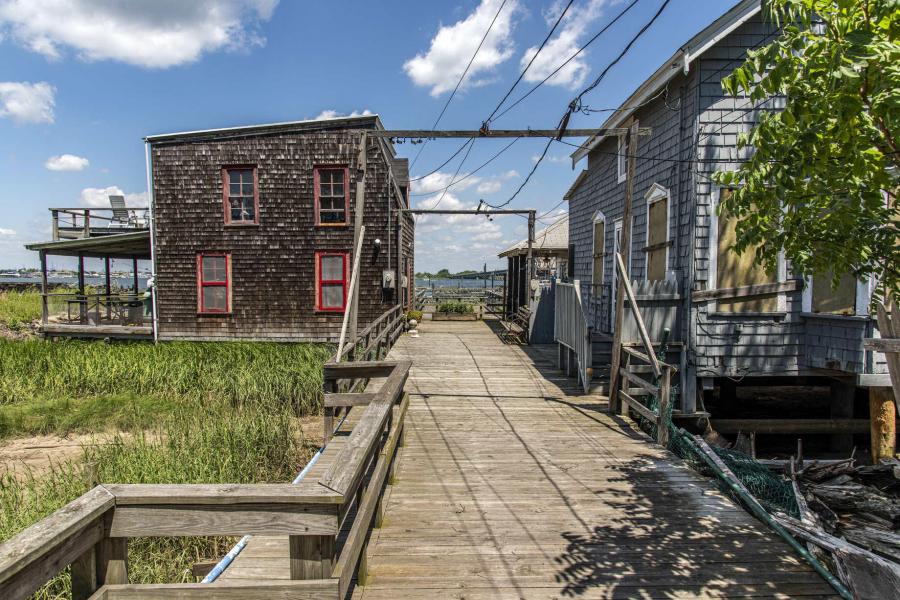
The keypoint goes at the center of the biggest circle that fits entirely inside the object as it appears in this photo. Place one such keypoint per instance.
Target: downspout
(150, 198)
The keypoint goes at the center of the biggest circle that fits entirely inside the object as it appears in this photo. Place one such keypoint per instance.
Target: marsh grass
(196, 443)
(19, 309)
(239, 373)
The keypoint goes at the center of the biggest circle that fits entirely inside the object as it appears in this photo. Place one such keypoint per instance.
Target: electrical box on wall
(388, 279)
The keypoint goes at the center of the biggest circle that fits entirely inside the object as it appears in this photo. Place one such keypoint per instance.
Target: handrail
(90, 534)
(571, 329)
(642, 329)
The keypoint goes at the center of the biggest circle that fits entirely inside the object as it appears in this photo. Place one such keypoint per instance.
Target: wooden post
(55, 225)
(134, 264)
(83, 572)
(111, 558)
(82, 301)
(624, 363)
(87, 223)
(882, 423)
(357, 225)
(311, 556)
(889, 327)
(45, 310)
(625, 245)
(662, 425)
(530, 257)
(108, 284)
(328, 386)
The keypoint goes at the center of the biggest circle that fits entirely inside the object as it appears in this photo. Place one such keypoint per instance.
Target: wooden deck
(513, 485)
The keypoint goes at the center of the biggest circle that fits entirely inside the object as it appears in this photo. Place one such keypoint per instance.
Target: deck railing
(74, 223)
(90, 535)
(570, 328)
(659, 383)
(96, 309)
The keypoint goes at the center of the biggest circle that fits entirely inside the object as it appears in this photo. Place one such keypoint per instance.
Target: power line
(462, 77)
(461, 179)
(568, 60)
(575, 103)
(471, 143)
(530, 62)
(443, 164)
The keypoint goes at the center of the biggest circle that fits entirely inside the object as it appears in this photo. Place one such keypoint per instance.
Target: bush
(455, 306)
(414, 314)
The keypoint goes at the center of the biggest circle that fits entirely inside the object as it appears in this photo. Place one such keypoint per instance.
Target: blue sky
(82, 81)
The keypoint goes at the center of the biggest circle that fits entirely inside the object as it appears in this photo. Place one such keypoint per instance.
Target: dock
(511, 483)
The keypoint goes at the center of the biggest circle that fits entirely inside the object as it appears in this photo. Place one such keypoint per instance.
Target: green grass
(18, 309)
(194, 443)
(122, 412)
(240, 373)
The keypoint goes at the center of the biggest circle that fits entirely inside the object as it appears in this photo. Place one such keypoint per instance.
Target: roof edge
(263, 128)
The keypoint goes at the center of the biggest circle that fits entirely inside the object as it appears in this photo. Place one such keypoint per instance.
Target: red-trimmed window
(240, 191)
(213, 283)
(332, 192)
(331, 281)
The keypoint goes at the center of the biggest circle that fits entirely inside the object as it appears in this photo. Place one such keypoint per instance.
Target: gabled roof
(571, 191)
(360, 122)
(554, 237)
(680, 61)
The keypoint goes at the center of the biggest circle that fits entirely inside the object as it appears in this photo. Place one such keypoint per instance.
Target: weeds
(455, 306)
(19, 309)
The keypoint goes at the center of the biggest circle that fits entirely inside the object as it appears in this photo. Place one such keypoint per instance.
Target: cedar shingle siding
(694, 133)
(273, 268)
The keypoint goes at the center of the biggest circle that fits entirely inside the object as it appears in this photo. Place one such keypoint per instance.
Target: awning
(135, 244)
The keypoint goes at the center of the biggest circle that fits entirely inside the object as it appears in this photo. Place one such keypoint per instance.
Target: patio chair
(121, 216)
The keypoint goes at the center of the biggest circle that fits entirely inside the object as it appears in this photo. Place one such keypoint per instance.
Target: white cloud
(563, 45)
(511, 174)
(439, 180)
(453, 46)
(25, 102)
(66, 162)
(156, 34)
(4, 232)
(489, 187)
(333, 114)
(99, 197)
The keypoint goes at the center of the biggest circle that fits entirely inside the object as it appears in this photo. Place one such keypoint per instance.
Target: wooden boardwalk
(512, 485)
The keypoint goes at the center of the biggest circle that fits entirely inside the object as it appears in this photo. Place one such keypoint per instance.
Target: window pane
(332, 216)
(248, 188)
(215, 298)
(213, 268)
(332, 296)
(234, 177)
(337, 189)
(332, 268)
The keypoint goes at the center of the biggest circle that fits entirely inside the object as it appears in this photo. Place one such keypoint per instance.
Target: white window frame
(656, 193)
(598, 217)
(713, 273)
(864, 291)
(621, 159)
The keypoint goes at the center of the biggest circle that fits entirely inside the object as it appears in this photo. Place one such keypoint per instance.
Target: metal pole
(530, 259)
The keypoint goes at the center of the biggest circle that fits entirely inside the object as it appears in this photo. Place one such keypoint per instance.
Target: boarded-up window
(657, 238)
(598, 253)
(840, 301)
(737, 270)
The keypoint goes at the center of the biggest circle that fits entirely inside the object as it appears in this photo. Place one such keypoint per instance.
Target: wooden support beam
(790, 426)
(883, 423)
(747, 291)
(498, 133)
(311, 556)
(340, 400)
(45, 311)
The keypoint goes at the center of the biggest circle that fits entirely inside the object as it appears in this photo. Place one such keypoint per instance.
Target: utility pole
(615, 405)
(358, 226)
(530, 259)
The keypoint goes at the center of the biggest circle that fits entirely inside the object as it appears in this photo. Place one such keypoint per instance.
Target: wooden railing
(658, 385)
(495, 303)
(570, 328)
(69, 223)
(371, 344)
(90, 535)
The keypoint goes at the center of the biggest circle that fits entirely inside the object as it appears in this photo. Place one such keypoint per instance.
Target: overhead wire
(471, 173)
(461, 78)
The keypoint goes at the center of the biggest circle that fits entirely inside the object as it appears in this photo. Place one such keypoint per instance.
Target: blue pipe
(242, 543)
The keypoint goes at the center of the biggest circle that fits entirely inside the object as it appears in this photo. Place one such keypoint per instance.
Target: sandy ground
(36, 454)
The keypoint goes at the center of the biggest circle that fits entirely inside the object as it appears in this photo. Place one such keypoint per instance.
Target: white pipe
(150, 196)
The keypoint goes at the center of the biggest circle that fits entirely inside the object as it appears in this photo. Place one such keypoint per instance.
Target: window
(332, 194)
(840, 301)
(241, 195)
(213, 283)
(331, 281)
(599, 247)
(737, 270)
(657, 248)
(622, 156)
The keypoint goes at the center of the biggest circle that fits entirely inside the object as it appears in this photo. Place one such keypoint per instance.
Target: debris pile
(859, 503)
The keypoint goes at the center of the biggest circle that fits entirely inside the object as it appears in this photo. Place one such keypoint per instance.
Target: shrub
(455, 306)
(414, 314)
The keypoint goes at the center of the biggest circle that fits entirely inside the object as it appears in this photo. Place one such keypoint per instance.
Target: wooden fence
(90, 535)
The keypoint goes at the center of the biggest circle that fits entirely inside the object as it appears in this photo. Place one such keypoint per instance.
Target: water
(120, 282)
(459, 283)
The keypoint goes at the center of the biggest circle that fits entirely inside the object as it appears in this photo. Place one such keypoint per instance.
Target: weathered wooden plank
(336, 400)
(747, 291)
(222, 493)
(649, 387)
(785, 426)
(178, 520)
(30, 558)
(638, 407)
(325, 589)
(359, 369)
